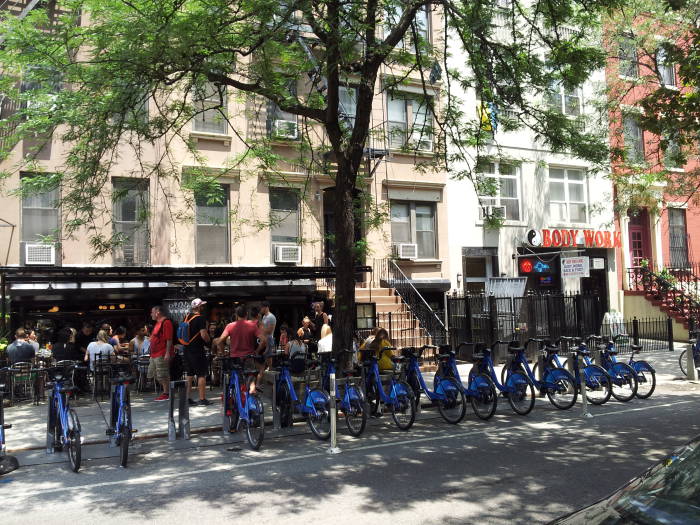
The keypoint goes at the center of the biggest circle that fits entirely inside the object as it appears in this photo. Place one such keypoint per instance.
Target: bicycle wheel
(355, 414)
(255, 426)
(373, 399)
(561, 388)
(403, 408)
(319, 418)
(504, 371)
(124, 445)
(74, 444)
(415, 386)
(646, 379)
(682, 361)
(284, 406)
(598, 384)
(230, 418)
(454, 406)
(624, 382)
(483, 396)
(521, 393)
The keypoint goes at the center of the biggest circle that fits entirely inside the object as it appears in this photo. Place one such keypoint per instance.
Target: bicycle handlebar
(615, 337)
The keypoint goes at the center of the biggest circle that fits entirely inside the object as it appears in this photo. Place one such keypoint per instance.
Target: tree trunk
(344, 314)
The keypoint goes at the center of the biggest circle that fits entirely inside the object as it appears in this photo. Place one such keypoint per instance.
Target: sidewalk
(151, 417)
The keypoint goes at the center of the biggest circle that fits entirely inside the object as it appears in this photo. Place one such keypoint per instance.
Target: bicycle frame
(59, 408)
(470, 390)
(414, 369)
(308, 406)
(234, 385)
(539, 385)
(121, 403)
(375, 377)
(486, 366)
(346, 398)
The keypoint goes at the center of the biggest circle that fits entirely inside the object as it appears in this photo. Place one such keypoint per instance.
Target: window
(566, 101)
(672, 155)
(567, 195)
(284, 215)
(678, 238)
(414, 223)
(44, 82)
(212, 228)
(421, 22)
(475, 274)
(634, 139)
(282, 124)
(505, 177)
(130, 199)
(503, 4)
(210, 104)
(666, 68)
(403, 109)
(628, 65)
(348, 105)
(40, 216)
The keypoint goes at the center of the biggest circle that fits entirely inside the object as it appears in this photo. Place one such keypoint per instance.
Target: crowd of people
(188, 347)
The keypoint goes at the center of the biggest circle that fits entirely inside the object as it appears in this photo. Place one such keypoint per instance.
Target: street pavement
(516, 469)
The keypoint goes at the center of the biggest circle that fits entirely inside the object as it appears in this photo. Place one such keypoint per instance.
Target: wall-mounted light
(459, 280)
(54, 309)
(122, 306)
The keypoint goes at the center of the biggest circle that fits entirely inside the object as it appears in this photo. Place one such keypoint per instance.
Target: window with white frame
(666, 68)
(563, 99)
(410, 121)
(39, 215)
(281, 124)
(503, 178)
(284, 215)
(414, 223)
(130, 198)
(567, 195)
(421, 22)
(634, 138)
(627, 55)
(348, 104)
(212, 213)
(210, 104)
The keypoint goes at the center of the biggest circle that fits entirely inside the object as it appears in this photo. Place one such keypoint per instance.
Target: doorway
(639, 237)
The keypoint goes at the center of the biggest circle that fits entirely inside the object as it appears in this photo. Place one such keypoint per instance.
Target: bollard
(669, 330)
(540, 371)
(50, 426)
(333, 449)
(183, 423)
(691, 371)
(582, 388)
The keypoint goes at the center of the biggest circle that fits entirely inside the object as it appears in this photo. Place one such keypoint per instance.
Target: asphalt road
(511, 469)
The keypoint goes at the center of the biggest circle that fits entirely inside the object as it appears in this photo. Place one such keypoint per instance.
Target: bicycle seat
(444, 356)
(121, 380)
(397, 359)
(636, 348)
(582, 351)
(411, 351)
(444, 349)
(69, 389)
(515, 349)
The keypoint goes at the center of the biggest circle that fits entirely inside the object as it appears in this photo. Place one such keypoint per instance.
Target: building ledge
(225, 139)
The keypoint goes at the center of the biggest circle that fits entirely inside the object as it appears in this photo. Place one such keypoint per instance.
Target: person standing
(268, 322)
(161, 350)
(320, 318)
(194, 353)
(20, 350)
(85, 337)
(242, 334)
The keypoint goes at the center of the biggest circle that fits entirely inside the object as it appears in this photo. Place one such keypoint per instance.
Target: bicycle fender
(315, 399)
(642, 366)
(555, 374)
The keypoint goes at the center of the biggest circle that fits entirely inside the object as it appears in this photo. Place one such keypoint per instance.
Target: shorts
(196, 363)
(270, 348)
(159, 369)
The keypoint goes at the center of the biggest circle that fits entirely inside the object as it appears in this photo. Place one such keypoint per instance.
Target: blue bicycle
(316, 405)
(240, 406)
(352, 402)
(400, 397)
(120, 429)
(516, 386)
(622, 375)
(695, 346)
(598, 382)
(62, 426)
(557, 383)
(446, 394)
(480, 389)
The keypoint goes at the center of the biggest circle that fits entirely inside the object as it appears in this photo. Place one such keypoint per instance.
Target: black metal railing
(386, 273)
(676, 292)
(327, 284)
(403, 329)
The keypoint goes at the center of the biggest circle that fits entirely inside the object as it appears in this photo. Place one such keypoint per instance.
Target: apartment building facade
(267, 222)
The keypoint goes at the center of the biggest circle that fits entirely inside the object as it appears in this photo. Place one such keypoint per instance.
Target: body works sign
(561, 238)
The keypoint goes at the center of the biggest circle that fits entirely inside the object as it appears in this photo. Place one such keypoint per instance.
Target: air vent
(39, 254)
(287, 253)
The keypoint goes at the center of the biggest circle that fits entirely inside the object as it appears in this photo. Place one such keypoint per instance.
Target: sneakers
(162, 397)
(191, 402)
(203, 403)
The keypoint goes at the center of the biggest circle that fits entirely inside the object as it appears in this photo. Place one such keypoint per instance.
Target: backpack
(183, 330)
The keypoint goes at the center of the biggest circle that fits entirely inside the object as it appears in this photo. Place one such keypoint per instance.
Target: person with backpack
(193, 335)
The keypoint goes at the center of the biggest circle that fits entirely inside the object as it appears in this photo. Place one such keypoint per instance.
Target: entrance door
(640, 244)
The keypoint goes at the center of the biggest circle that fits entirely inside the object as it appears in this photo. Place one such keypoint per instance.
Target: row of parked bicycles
(363, 391)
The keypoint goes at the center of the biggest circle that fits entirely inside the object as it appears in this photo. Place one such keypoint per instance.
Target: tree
(186, 55)
(659, 42)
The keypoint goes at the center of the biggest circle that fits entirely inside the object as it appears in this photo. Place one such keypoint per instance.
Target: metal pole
(691, 371)
(333, 449)
(669, 328)
(584, 402)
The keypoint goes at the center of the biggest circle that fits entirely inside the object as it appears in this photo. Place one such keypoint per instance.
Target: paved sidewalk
(151, 417)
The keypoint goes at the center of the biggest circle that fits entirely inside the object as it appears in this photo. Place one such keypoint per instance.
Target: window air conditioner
(37, 253)
(287, 253)
(285, 129)
(492, 211)
(406, 251)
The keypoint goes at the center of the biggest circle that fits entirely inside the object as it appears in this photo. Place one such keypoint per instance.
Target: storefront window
(567, 195)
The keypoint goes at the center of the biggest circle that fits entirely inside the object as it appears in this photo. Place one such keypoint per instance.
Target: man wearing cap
(195, 356)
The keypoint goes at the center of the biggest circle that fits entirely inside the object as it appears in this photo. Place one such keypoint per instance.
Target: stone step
(375, 292)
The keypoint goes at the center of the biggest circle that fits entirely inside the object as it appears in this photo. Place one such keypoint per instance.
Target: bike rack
(7, 463)
(183, 412)
(50, 426)
(691, 371)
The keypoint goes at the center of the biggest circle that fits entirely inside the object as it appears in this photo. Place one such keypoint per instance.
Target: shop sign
(597, 263)
(562, 238)
(575, 267)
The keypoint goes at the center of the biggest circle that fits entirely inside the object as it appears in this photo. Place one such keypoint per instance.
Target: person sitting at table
(65, 348)
(101, 346)
(20, 350)
(140, 344)
(120, 342)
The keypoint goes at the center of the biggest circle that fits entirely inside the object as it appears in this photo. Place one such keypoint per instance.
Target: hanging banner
(576, 267)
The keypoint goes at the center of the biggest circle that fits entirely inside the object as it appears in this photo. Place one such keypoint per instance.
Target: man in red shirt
(242, 334)
(161, 350)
